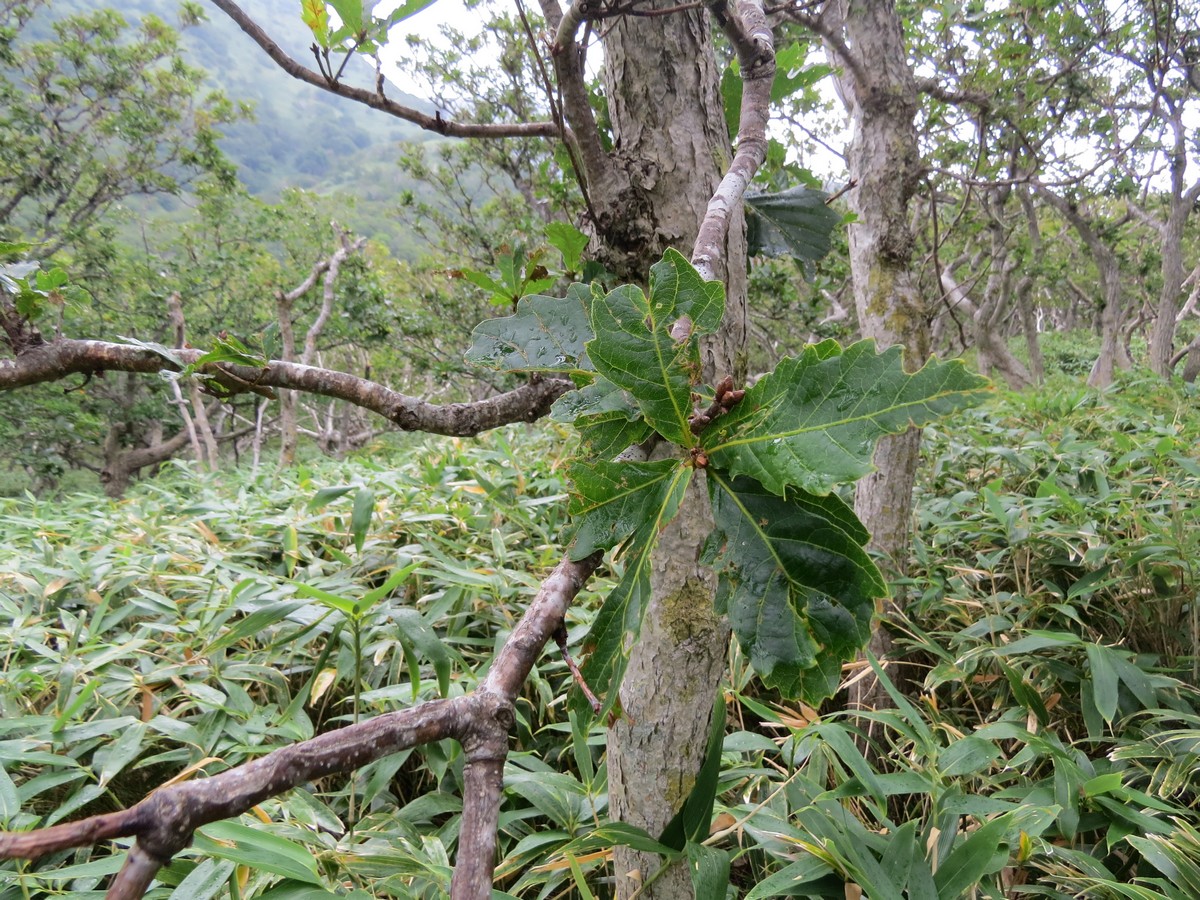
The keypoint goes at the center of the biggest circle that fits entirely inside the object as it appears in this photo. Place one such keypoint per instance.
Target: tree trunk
(1181, 201)
(671, 138)
(1112, 313)
(1037, 363)
(880, 94)
(288, 427)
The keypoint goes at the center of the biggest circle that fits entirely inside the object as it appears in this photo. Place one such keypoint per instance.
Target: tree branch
(376, 99)
(748, 31)
(165, 821)
(568, 59)
(58, 359)
(832, 36)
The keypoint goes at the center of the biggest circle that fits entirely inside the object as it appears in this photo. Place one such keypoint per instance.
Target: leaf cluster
(794, 579)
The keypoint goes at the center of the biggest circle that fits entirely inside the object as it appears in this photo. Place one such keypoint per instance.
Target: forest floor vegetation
(1043, 740)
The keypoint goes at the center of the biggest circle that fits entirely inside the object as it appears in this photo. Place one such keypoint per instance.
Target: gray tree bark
(1112, 314)
(672, 141)
(866, 42)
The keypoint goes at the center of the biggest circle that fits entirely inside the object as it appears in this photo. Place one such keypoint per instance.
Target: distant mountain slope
(300, 136)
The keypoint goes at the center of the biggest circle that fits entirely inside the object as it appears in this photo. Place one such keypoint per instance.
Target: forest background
(271, 568)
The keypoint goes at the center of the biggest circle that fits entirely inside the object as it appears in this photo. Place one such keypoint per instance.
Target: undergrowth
(1043, 740)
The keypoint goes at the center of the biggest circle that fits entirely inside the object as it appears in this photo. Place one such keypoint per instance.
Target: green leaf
(76, 704)
(255, 624)
(327, 494)
(677, 288)
(796, 879)
(638, 354)
(835, 735)
(556, 795)
(580, 879)
(15, 248)
(350, 12)
(799, 589)
(606, 436)
(902, 850)
(360, 516)
(814, 421)
(345, 605)
(204, 881)
(569, 241)
(373, 596)
(293, 891)
(10, 803)
(545, 334)
(415, 630)
(1166, 855)
(614, 834)
(983, 852)
(1104, 681)
(48, 281)
(611, 501)
(408, 8)
(967, 755)
(694, 819)
(30, 304)
(620, 617)
(228, 349)
(792, 73)
(259, 850)
(120, 753)
(600, 398)
(709, 867)
(795, 222)
(731, 97)
(648, 346)
(606, 417)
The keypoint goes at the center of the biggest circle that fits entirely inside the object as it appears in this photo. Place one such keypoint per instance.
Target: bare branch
(331, 273)
(58, 359)
(832, 37)
(376, 99)
(748, 31)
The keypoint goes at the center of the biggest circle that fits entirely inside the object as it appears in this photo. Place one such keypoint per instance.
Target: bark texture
(671, 142)
(880, 94)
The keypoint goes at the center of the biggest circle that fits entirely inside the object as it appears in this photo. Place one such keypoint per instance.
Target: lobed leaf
(545, 334)
(612, 502)
(606, 417)
(813, 423)
(648, 345)
(799, 588)
(624, 504)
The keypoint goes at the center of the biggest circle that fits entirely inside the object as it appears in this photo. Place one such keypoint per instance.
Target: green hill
(299, 136)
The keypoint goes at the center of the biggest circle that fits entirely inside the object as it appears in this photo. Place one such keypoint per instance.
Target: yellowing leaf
(324, 680)
(55, 586)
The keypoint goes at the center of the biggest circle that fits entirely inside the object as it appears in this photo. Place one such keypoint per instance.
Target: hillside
(299, 136)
